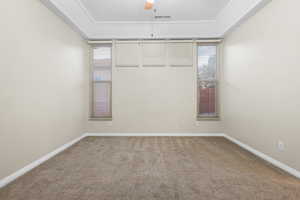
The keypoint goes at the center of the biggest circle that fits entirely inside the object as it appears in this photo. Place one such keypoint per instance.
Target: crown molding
(54, 7)
(86, 11)
(237, 12)
(78, 16)
(93, 20)
(156, 22)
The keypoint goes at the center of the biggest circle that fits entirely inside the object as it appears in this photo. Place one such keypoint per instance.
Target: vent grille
(162, 17)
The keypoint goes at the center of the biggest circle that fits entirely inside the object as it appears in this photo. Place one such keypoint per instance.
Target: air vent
(162, 17)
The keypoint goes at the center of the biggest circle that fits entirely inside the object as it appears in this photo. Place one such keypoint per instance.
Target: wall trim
(265, 157)
(76, 13)
(93, 20)
(51, 5)
(251, 11)
(154, 134)
(5, 181)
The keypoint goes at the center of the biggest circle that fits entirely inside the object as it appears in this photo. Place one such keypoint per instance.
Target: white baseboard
(17, 174)
(156, 134)
(265, 157)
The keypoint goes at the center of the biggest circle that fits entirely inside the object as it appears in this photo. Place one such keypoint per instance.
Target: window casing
(207, 82)
(101, 80)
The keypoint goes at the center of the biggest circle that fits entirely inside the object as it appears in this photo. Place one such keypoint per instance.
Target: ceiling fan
(149, 4)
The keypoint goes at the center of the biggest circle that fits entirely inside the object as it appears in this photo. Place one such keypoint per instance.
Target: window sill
(208, 118)
(101, 119)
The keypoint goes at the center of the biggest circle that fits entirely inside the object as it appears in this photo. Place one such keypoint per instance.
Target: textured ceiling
(127, 19)
(133, 10)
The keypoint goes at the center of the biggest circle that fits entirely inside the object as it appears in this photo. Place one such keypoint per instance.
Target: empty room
(150, 100)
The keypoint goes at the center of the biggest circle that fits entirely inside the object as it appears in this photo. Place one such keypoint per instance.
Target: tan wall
(43, 70)
(154, 100)
(261, 79)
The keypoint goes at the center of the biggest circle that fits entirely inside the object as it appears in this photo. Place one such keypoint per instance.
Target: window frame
(215, 117)
(92, 116)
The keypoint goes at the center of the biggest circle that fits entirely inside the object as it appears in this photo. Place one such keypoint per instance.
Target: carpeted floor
(154, 168)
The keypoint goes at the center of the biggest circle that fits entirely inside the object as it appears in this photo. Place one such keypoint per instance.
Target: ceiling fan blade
(149, 4)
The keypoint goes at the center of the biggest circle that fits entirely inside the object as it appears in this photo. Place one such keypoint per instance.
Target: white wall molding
(156, 134)
(27, 168)
(86, 11)
(76, 14)
(236, 12)
(93, 20)
(128, 30)
(265, 157)
(51, 5)
(24, 170)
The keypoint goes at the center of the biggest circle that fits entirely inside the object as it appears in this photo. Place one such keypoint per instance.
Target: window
(102, 82)
(207, 81)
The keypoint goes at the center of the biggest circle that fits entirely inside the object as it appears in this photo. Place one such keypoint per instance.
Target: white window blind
(102, 82)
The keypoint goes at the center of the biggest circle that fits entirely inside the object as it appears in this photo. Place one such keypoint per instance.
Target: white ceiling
(127, 19)
(133, 10)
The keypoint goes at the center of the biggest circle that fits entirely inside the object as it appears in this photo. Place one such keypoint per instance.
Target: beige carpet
(154, 168)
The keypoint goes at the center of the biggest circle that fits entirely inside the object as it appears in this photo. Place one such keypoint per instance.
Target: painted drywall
(261, 81)
(231, 15)
(154, 100)
(43, 83)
